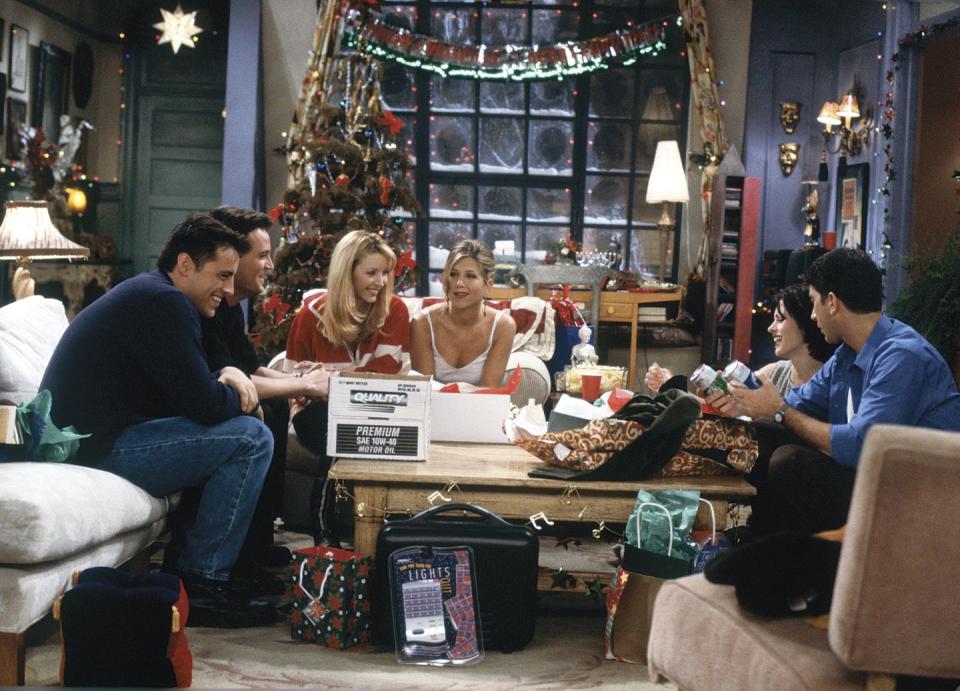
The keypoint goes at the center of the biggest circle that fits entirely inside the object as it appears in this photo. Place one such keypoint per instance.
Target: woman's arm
(496, 363)
(421, 346)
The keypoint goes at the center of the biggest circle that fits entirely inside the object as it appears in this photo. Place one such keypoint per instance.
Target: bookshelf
(731, 269)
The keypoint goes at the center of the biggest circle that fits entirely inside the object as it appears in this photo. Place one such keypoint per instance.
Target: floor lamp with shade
(667, 185)
(27, 233)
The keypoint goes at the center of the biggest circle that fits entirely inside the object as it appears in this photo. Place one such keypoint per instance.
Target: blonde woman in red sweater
(358, 325)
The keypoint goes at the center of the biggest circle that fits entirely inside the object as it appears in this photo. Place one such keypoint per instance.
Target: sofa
(893, 611)
(55, 518)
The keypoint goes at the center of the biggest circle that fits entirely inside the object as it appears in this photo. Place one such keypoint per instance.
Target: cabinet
(731, 269)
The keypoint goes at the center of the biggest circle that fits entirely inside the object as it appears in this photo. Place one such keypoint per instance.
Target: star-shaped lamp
(178, 28)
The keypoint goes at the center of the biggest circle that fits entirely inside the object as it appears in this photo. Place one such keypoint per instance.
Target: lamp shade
(28, 232)
(849, 108)
(828, 114)
(668, 179)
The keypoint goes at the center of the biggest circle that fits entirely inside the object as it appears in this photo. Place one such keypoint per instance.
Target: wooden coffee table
(494, 476)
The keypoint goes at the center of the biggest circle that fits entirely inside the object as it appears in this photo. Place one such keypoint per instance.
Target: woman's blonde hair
(342, 322)
(469, 249)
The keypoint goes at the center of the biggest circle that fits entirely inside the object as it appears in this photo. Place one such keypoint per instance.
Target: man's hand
(656, 376)
(316, 384)
(721, 402)
(757, 403)
(249, 401)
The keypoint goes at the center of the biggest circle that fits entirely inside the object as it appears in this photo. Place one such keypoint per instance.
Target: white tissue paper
(528, 423)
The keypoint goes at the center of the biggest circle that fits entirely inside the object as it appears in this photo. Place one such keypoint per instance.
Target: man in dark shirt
(883, 372)
(130, 370)
(226, 344)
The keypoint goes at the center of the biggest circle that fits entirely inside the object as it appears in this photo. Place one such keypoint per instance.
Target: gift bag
(124, 629)
(629, 601)
(330, 604)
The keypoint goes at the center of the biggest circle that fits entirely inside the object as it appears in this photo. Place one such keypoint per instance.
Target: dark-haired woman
(797, 341)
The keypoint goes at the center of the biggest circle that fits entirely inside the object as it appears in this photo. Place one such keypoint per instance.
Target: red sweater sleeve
(389, 350)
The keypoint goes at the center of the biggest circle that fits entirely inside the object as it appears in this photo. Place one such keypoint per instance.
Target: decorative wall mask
(789, 116)
(789, 154)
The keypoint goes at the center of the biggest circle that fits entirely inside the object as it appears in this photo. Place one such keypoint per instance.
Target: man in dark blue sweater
(130, 370)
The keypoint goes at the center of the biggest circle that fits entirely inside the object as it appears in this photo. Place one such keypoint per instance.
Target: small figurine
(583, 354)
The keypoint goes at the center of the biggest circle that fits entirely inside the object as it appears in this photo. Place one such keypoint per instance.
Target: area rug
(565, 654)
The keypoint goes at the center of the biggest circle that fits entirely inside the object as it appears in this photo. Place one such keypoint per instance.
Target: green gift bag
(330, 604)
(630, 599)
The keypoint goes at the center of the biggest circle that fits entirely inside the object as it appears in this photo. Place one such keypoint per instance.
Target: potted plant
(931, 301)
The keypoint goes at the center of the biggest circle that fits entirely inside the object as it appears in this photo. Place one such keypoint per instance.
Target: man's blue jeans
(230, 459)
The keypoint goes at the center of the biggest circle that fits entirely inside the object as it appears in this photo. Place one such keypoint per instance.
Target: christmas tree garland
(909, 40)
(369, 32)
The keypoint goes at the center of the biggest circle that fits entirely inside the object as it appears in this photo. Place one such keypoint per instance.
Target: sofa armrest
(893, 610)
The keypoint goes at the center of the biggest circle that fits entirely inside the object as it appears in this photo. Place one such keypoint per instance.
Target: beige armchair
(894, 609)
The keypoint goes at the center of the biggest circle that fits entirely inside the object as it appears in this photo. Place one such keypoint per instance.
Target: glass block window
(532, 163)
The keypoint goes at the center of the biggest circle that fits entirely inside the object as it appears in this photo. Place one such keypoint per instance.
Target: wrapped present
(330, 603)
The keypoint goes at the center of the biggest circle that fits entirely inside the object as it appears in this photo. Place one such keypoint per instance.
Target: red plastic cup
(589, 386)
(829, 239)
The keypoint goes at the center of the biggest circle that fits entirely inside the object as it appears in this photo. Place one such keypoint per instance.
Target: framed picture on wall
(852, 192)
(17, 64)
(51, 93)
(16, 118)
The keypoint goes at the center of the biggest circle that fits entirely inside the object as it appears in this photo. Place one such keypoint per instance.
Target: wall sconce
(840, 133)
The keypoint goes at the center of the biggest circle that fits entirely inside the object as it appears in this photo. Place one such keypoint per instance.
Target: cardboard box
(379, 416)
(466, 417)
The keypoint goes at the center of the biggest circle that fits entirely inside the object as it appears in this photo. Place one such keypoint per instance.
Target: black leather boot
(323, 502)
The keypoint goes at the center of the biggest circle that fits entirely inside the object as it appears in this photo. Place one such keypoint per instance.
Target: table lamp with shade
(667, 185)
(27, 233)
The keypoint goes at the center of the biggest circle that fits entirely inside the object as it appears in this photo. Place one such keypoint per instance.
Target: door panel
(178, 170)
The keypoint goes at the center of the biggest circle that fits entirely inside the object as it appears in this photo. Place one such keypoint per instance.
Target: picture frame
(19, 58)
(16, 117)
(852, 206)
(51, 93)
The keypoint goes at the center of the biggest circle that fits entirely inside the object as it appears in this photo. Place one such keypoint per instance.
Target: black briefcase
(505, 562)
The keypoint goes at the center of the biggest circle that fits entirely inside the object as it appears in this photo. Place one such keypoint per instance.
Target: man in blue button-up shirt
(883, 372)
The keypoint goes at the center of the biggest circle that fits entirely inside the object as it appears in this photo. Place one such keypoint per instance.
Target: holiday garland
(912, 39)
(369, 32)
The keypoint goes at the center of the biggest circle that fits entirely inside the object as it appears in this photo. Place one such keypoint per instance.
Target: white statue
(68, 144)
(583, 354)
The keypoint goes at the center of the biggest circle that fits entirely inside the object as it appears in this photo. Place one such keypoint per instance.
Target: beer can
(709, 380)
(739, 372)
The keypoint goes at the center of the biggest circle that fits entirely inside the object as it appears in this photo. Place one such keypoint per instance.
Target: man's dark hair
(851, 275)
(200, 236)
(243, 221)
(796, 300)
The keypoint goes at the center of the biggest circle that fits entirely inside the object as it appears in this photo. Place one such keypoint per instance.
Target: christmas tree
(346, 172)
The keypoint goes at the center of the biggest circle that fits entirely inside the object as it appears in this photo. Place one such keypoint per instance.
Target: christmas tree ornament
(178, 28)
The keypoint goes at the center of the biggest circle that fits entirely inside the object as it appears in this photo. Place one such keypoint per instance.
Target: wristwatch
(781, 411)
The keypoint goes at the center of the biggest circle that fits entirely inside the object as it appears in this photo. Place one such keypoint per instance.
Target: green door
(174, 152)
(179, 168)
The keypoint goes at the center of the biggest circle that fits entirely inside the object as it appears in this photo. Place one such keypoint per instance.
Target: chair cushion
(49, 511)
(701, 639)
(29, 331)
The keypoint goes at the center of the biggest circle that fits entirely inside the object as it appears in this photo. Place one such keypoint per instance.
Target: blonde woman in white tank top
(461, 339)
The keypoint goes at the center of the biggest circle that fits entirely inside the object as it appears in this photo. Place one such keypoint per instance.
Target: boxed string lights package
(433, 594)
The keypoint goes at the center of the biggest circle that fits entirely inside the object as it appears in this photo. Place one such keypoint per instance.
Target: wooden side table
(616, 307)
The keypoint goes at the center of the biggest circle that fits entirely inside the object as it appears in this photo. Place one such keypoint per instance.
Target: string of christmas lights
(369, 32)
(915, 38)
